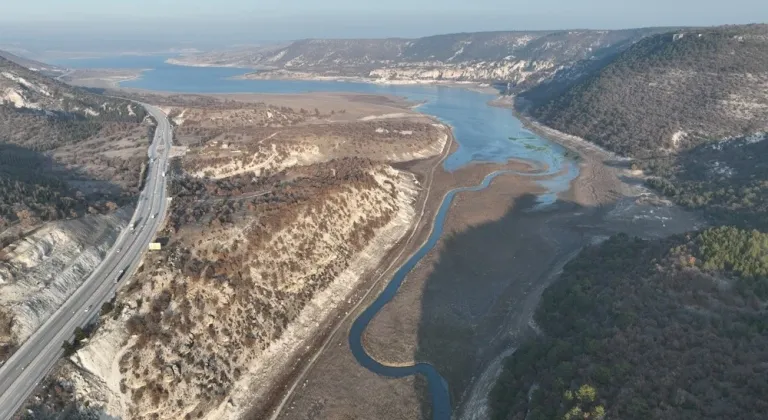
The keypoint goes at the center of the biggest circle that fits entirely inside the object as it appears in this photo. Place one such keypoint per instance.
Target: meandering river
(484, 134)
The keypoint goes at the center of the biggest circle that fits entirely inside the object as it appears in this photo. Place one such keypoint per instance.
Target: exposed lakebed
(484, 134)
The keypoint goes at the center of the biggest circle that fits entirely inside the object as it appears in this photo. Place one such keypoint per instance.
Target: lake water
(484, 134)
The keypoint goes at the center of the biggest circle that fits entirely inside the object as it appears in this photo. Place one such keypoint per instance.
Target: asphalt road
(28, 366)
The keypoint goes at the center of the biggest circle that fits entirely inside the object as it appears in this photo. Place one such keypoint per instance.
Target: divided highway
(36, 357)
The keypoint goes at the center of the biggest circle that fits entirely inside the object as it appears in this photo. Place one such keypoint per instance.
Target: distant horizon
(67, 38)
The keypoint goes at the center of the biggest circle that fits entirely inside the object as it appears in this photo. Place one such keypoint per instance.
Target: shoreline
(251, 70)
(479, 86)
(104, 82)
(570, 142)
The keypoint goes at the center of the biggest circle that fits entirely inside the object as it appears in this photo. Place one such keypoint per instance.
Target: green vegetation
(667, 329)
(669, 101)
(28, 191)
(674, 328)
(81, 335)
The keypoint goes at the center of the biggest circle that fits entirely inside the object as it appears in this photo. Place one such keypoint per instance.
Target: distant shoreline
(308, 76)
(103, 78)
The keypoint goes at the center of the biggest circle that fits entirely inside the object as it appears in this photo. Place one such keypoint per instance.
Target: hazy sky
(247, 21)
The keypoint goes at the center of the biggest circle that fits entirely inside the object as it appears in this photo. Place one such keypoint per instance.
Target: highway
(37, 356)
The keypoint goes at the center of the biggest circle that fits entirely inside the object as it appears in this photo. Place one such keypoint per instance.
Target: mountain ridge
(512, 57)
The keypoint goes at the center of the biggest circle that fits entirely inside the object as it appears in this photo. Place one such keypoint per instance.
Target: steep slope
(691, 107)
(667, 329)
(668, 92)
(244, 281)
(513, 57)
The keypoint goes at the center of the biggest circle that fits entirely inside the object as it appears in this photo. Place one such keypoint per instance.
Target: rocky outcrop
(509, 70)
(39, 272)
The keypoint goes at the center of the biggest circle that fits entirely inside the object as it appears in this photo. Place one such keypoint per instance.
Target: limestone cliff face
(509, 70)
(39, 272)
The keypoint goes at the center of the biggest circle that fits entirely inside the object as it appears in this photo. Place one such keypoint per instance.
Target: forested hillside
(29, 192)
(726, 180)
(63, 150)
(667, 92)
(669, 329)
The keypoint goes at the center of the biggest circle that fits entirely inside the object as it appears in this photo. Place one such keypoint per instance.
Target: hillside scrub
(64, 151)
(255, 150)
(708, 83)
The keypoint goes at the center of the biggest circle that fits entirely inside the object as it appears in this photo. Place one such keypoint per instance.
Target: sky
(69, 23)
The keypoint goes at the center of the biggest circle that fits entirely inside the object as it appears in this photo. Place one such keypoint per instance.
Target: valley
(400, 248)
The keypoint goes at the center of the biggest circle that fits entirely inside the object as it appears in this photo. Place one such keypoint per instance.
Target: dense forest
(702, 83)
(667, 329)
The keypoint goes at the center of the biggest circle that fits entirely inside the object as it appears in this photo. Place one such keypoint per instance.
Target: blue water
(484, 134)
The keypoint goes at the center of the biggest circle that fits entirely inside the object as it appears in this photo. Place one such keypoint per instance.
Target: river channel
(484, 134)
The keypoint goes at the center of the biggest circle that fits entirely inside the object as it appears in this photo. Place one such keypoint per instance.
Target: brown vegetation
(239, 270)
